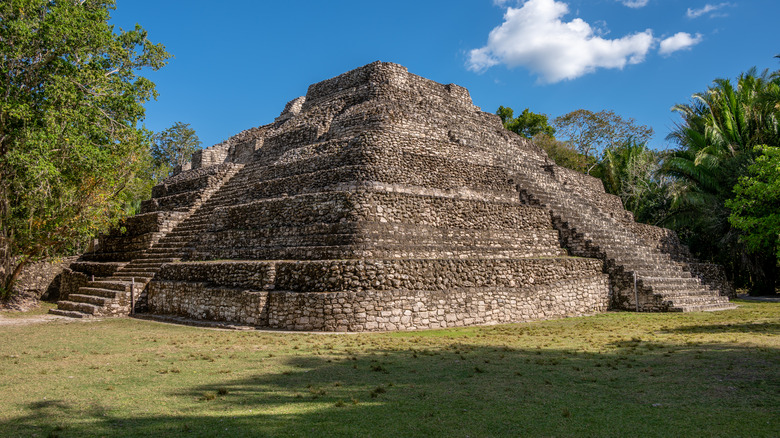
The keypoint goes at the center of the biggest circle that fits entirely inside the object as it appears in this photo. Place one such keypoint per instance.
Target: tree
(629, 171)
(562, 153)
(754, 208)
(591, 133)
(69, 138)
(527, 124)
(174, 146)
(718, 135)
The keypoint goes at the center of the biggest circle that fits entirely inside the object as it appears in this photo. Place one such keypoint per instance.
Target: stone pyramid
(384, 201)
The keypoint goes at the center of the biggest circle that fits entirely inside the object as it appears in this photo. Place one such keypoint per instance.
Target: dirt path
(32, 319)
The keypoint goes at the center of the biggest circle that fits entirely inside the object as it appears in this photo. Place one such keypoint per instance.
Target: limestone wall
(381, 294)
(238, 149)
(42, 280)
(381, 201)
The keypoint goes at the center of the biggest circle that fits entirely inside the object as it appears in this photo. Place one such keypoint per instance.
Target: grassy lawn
(616, 374)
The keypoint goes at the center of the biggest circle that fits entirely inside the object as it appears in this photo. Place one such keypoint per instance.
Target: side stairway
(642, 277)
(111, 296)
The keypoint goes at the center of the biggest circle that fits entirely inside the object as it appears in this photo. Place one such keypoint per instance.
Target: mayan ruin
(384, 201)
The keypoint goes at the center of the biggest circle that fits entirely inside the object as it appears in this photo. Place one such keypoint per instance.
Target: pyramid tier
(380, 294)
(367, 223)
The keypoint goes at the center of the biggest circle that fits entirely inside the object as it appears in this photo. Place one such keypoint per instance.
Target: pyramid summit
(384, 201)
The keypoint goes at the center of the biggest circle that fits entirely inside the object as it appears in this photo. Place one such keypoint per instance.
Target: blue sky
(237, 63)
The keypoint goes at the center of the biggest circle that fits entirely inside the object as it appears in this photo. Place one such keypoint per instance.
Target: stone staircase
(643, 278)
(111, 296)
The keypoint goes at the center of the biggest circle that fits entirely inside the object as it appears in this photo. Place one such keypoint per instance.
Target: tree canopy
(755, 208)
(70, 142)
(527, 124)
(174, 146)
(592, 132)
(718, 139)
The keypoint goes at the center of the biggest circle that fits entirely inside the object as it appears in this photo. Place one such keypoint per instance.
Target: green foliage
(563, 153)
(755, 209)
(174, 146)
(527, 124)
(629, 171)
(718, 134)
(591, 133)
(70, 145)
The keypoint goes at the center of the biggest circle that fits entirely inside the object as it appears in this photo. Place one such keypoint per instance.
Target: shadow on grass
(633, 388)
(768, 328)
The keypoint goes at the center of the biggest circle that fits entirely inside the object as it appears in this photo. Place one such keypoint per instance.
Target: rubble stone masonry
(385, 201)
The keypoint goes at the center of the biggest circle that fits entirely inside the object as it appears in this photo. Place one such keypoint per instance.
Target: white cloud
(695, 13)
(635, 3)
(534, 36)
(678, 41)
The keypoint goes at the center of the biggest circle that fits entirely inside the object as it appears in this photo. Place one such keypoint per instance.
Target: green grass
(616, 374)
(42, 309)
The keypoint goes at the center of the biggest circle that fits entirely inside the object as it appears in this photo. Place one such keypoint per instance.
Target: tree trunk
(765, 278)
(11, 274)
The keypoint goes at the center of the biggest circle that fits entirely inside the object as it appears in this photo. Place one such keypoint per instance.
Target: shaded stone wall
(42, 280)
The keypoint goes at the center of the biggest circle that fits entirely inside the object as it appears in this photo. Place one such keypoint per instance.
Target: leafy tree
(755, 208)
(718, 134)
(527, 124)
(69, 138)
(563, 153)
(174, 146)
(536, 126)
(629, 171)
(591, 133)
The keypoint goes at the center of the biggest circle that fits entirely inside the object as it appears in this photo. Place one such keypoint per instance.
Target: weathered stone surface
(385, 201)
(39, 280)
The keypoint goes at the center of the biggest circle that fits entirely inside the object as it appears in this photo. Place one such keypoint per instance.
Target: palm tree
(717, 136)
(628, 171)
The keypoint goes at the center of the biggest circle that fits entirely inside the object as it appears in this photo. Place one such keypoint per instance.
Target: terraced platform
(385, 201)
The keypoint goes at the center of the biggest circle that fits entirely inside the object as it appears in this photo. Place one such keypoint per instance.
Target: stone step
(650, 270)
(112, 284)
(170, 246)
(89, 309)
(90, 299)
(696, 301)
(140, 264)
(138, 279)
(670, 281)
(69, 313)
(136, 274)
(681, 291)
(189, 230)
(161, 260)
(639, 263)
(132, 269)
(176, 238)
(160, 253)
(100, 292)
(703, 307)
